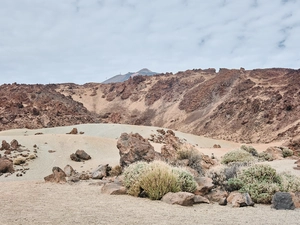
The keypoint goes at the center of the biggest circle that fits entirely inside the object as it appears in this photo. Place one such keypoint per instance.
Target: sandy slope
(28, 200)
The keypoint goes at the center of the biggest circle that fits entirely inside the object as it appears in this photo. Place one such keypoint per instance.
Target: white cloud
(91, 40)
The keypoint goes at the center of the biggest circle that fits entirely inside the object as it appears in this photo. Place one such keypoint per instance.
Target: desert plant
(193, 156)
(222, 175)
(260, 181)
(237, 156)
(286, 152)
(158, 180)
(186, 180)
(115, 171)
(289, 182)
(265, 156)
(250, 149)
(132, 175)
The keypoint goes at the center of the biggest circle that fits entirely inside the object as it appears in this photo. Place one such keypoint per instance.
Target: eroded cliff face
(246, 106)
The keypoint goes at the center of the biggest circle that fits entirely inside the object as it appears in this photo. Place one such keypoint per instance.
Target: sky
(81, 41)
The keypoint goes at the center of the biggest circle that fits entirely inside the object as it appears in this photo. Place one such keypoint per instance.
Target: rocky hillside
(37, 106)
(259, 105)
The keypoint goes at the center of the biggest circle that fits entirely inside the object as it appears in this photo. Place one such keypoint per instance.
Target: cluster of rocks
(14, 155)
(69, 174)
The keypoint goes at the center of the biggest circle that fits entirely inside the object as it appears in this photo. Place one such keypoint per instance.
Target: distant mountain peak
(121, 78)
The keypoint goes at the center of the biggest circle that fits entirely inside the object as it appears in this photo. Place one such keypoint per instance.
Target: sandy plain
(29, 200)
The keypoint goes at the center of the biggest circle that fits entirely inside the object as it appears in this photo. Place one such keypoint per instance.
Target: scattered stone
(35, 146)
(7, 152)
(20, 160)
(32, 156)
(6, 166)
(69, 171)
(84, 176)
(216, 146)
(73, 131)
(5, 145)
(81, 154)
(179, 198)
(101, 171)
(51, 151)
(296, 199)
(81, 132)
(113, 189)
(133, 147)
(223, 201)
(200, 199)
(238, 199)
(14, 144)
(57, 176)
(74, 157)
(74, 178)
(39, 133)
(282, 200)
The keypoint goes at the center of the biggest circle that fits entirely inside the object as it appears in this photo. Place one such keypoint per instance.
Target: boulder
(200, 199)
(205, 185)
(296, 199)
(101, 171)
(14, 144)
(217, 195)
(113, 189)
(216, 146)
(81, 154)
(179, 198)
(282, 200)
(69, 171)
(73, 131)
(84, 176)
(5, 145)
(57, 176)
(6, 166)
(133, 147)
(75, 158)
(238, 199)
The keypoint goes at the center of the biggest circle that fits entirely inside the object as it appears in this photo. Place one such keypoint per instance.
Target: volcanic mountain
(250, 106)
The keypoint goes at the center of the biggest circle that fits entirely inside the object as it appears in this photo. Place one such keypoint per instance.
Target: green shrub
(264, 156)
(132, 175)
(250, 150)
(286, 152)
(185, 179)
(193, 156)
(289, 182)
(158, 180)
(237, 156)
(262, 182)
(222, 175)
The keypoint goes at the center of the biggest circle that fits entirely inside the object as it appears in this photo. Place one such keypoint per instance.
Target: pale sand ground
(28, 200)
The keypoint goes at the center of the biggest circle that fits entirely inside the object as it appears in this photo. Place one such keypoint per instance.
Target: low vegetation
(237, 156)
(262, 182)
(157, 178)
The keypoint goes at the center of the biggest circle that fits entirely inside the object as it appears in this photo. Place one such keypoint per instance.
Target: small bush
(115, 171)
(289, 182)
(223, 175)
(250, 150)
(237, 156)
(186, 180)
(132, 175)
(194, 158)
(159, 180)
(156, 179)
(264, 156)
(286, 152)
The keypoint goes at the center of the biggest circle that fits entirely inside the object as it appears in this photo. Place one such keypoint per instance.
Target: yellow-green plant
(237, 156)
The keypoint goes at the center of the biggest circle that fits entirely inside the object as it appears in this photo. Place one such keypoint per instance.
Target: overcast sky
(55, 41)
